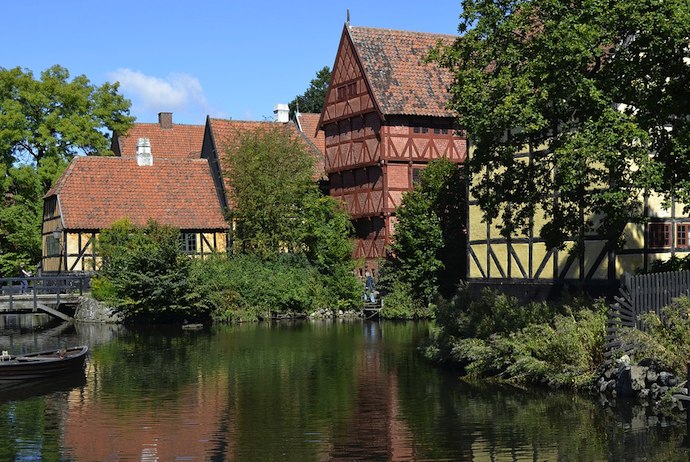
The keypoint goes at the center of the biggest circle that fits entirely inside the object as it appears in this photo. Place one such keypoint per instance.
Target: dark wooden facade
(373, 155)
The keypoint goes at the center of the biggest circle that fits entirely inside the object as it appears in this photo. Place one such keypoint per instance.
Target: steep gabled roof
(94, 192)
(394, 67)
(177, 142)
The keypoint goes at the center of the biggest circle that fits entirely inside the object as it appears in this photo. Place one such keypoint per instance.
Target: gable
(348, 93)
(385, 71)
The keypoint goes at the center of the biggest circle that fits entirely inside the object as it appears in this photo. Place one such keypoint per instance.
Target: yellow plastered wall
(628, 264)
(480, 252)
(539, 253)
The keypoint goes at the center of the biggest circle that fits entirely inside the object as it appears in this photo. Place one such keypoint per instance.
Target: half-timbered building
(94, 192)
(385, 118)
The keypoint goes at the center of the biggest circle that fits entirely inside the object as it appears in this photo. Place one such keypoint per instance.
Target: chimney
(282, 113)
(144, 156)
(165, 119)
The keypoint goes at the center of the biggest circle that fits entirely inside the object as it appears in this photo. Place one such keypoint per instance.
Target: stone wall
(646, 381)
(91, 310)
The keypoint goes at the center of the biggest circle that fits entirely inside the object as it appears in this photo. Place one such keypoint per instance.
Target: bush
(146, 277)
(666, 338)
(247, 287)
(401, 303)
(493, 336)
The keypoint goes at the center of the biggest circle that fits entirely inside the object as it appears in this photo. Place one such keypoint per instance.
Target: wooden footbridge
(53, 295)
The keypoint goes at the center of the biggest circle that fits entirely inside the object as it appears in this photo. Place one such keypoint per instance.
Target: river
(298, 391)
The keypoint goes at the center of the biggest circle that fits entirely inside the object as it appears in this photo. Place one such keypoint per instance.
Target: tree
(429, 244)
(277, 207)
(312, 99)
(55, 116)
(21, 196)
(43, 124)
(270, 174)
(600, 92)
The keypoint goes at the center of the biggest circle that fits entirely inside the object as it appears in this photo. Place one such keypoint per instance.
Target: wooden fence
(642, 294)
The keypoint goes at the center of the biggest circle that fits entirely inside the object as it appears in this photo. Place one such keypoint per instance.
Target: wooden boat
(41, 364)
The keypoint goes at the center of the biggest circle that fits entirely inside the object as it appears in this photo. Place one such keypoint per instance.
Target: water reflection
(303, 391)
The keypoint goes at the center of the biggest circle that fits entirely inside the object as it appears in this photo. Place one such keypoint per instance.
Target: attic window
(352, 89)
(342, 92)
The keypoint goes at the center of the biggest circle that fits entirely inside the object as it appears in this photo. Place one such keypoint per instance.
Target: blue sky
(231, 59)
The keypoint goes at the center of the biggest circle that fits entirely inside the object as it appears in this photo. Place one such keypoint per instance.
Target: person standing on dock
(24, 274)
(369, 287)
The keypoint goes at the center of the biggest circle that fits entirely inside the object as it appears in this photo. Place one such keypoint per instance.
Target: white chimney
(282, 113)
(144, 156)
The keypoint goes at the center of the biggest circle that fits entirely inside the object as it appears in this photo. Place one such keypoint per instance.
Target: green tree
(270, 175)
(428, 248)
(43, 124)
(312, 99)
(594, 88)
(278, 209)
(57, 117)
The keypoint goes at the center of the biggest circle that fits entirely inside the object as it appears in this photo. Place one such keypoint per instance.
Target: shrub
(401, 303)
(666, 338)
(494, 337)
(146, 277)
(247, 287)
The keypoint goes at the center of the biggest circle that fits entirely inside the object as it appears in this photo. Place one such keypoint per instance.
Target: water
(299, 391)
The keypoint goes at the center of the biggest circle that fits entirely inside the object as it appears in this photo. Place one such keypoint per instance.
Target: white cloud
(176, 92)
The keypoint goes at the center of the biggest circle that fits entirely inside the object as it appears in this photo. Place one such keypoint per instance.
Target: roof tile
(401, 81)
(94, 192)
(178, 142)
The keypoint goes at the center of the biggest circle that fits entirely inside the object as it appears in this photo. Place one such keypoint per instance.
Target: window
(682, 235)
(352, 89)
(420, 130)
(440, 131)
(52, 246)
(189, 242)
(660, 235)
(342, 93)
(416, 171)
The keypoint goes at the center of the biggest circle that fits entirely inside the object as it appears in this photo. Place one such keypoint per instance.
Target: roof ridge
(384, 29)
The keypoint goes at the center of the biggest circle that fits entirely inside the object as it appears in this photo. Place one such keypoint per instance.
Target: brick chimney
(165, 119)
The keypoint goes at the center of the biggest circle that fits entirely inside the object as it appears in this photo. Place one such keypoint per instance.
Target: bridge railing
(13, 289)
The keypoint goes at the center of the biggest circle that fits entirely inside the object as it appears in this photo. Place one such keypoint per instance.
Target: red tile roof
(178, 142)
(223, 130)
(402, 83)
(96, 191)
(309, 122)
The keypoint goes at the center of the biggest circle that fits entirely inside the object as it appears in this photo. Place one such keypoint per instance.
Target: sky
(227, 59)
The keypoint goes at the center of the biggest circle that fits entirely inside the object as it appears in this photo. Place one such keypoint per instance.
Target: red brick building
(385, 119)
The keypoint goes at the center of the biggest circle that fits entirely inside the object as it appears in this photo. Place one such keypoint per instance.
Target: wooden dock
(372, 310)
